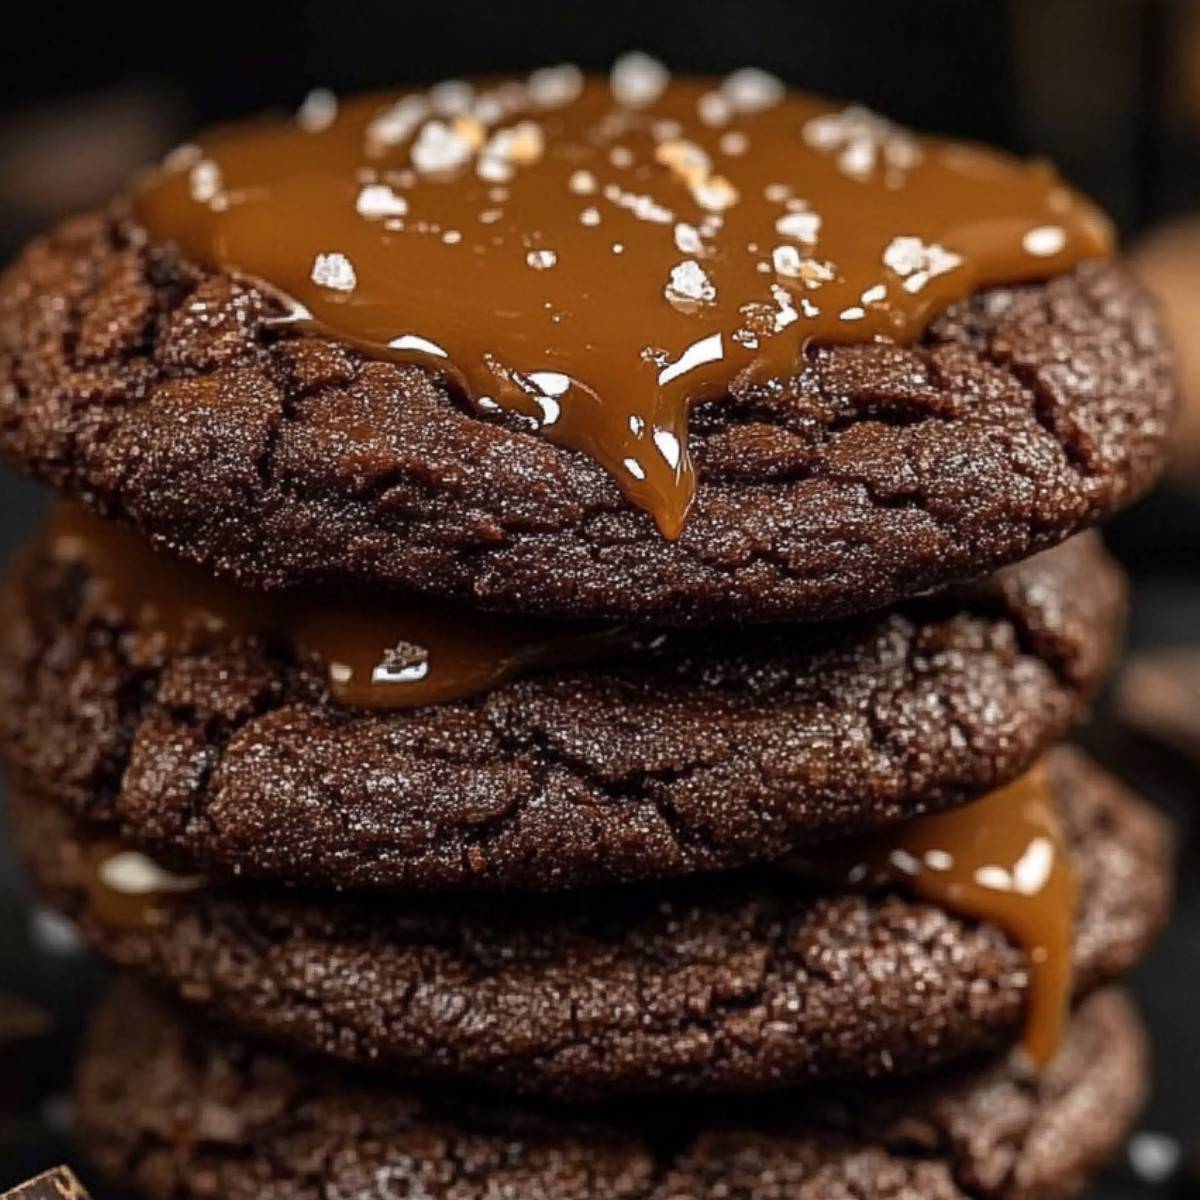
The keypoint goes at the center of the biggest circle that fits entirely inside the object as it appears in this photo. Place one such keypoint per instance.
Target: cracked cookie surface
(169, 1114)
(729, 747)
(731, 984)
(161, 395)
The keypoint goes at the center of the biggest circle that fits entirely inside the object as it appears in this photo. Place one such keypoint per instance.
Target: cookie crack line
(317, 456)
(616, 989)
(177, 756)
(979, 1123)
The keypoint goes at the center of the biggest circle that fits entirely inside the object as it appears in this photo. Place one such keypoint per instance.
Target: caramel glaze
(1001, 859)
(398, 653)
(597, 255)
(127, 890)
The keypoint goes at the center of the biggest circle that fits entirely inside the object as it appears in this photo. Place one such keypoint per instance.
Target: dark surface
(162, 395)
(718, 749)
(190, 1121)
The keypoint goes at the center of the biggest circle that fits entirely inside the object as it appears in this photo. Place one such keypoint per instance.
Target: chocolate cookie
(729, 983)
(163, 395)
(715, 749)
(169, 1113)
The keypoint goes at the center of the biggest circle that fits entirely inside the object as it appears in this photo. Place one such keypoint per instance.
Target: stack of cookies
(546, 670)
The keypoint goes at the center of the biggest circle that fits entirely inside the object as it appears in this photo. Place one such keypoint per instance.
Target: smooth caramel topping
(1001, 859)
(400, 653)
(597, 255)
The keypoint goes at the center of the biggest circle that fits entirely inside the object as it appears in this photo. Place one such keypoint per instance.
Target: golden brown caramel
(1001, 859)
(397, 653)
(596, 255)
(127, 890)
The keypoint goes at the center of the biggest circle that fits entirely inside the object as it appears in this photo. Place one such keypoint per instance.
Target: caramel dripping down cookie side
(593, 256)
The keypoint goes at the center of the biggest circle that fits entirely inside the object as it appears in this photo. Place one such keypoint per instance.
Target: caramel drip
(1001, 859)
(398, 653)
(597, 255)
(126, 889)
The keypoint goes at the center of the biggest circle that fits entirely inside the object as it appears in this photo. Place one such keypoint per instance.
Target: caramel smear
(398, 653)
(128, 890)
(596, 255)
(1001, 859)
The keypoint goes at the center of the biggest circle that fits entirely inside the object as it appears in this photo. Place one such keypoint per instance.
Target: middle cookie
(401, 748)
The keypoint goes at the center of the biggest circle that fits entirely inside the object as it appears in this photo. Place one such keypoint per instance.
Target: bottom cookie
(169, 1112)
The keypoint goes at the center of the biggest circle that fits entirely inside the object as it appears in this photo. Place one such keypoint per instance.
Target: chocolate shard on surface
(58, 1183)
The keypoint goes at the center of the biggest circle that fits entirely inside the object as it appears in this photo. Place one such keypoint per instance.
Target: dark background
(1108, 88)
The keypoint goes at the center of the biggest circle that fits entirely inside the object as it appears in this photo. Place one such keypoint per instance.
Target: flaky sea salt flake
(183, 158)
(643, 206)
(440, 148)
(814, 272)
(861, 139)
(917, 262)
(317, 111)
(334, 271)
(555, 87)
(688, 239)
(494, 170)
(396, 124)
(378, 200)
(582, 183)
(787, 261)
(714, 109)
(687, 160)
(715, 194)
(638, 80)
(752, 90)
(488, 109)
(452, 98)
(1045, 241)
(786, 313)
(803, 226)
(204, 182)
(507, 149)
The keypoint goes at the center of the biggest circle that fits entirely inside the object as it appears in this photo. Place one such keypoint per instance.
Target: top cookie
(680, 350)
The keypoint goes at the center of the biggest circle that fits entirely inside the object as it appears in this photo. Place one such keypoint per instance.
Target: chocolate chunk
(57, 1184)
